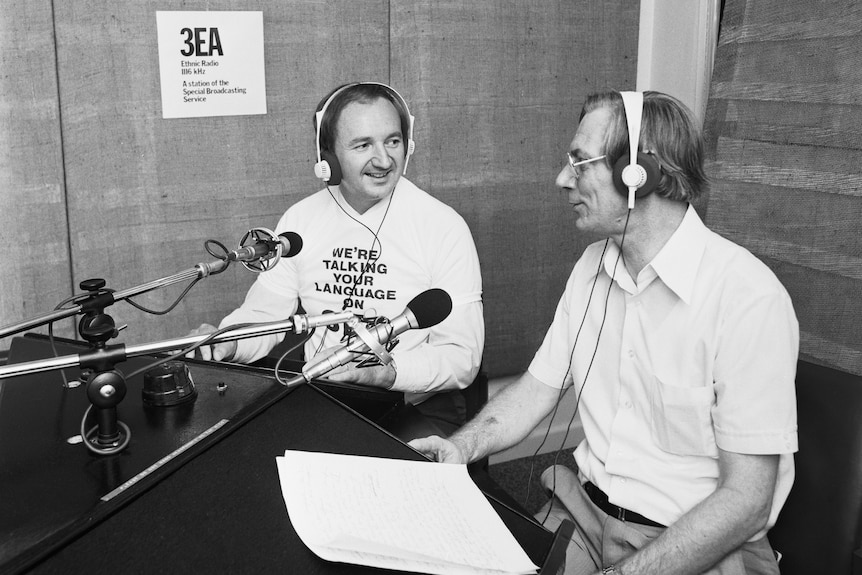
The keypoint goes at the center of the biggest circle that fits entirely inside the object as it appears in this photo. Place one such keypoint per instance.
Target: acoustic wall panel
(497, 88)
(784, 126)
(145, 192)
(34, 248)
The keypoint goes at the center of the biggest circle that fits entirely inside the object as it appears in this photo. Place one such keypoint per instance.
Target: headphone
(639, 174)
(327, 167)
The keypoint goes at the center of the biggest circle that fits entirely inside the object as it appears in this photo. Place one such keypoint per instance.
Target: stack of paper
(394, 514)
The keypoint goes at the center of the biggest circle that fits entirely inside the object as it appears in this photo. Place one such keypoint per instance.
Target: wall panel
(784, 126)
(496, 88)
(145, 192)
(34, 249)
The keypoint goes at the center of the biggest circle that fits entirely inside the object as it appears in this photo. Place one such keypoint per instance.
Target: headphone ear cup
(648, 174)
(328, 169)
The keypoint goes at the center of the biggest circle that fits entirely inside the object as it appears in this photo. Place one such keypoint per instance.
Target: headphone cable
(367, 265)
(590, 366)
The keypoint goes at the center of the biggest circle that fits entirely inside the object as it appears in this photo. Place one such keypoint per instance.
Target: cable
(563, 388)
(196, 345)
(590, 365)
(288, 352)
(104, 450)
(367, 266)
(173, 305)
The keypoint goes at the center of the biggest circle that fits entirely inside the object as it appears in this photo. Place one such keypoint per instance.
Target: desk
(216, 507)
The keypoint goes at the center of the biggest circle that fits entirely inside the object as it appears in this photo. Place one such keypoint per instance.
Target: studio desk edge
(214, 504)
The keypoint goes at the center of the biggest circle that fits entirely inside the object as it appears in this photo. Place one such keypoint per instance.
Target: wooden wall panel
(784, 128)
(496, 88)
(34, 249)
(145, 192)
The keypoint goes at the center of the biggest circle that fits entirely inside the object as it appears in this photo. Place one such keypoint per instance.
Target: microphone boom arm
(199, 271)
(126, 351)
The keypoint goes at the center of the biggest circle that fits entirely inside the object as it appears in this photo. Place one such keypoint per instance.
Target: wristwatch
(611, 570)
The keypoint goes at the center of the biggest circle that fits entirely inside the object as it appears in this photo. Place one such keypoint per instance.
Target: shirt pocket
(682, 419)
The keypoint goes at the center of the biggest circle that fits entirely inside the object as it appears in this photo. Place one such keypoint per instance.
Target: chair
(819, 529)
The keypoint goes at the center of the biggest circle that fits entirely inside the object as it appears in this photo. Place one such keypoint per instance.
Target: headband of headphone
(639, 174)
(327, 167)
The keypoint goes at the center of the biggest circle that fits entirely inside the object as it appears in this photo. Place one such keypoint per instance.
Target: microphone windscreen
(430, 307)
(295, 243)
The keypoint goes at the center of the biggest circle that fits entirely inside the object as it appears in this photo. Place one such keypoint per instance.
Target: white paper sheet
(406, 515)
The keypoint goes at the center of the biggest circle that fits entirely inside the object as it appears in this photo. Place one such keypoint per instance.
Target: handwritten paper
(404, 515)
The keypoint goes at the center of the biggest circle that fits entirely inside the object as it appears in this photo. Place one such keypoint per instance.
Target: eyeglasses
(576, 164)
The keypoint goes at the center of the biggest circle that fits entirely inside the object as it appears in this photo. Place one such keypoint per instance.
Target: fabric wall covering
(784, 131)
(97, 184)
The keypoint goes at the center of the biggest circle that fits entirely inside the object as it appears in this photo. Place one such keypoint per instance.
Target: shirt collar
(678, 261)
(676, 264)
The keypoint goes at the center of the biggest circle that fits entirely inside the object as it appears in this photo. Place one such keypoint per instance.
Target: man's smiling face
(371, 151)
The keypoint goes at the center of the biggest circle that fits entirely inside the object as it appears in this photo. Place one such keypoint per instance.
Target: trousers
(600, 540)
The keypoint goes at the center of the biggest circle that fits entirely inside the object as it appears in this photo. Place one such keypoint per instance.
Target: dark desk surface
(217, 506)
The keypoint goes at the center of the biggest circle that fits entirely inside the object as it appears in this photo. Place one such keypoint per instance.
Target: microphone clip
(361, 329)
(378, 349)
(266, 262)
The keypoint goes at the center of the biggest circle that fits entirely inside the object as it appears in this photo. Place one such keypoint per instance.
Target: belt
(601, 500)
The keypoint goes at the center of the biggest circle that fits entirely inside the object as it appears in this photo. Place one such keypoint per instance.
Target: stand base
(100, 447)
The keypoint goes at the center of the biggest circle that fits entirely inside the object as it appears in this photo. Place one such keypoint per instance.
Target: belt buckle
(621, 514)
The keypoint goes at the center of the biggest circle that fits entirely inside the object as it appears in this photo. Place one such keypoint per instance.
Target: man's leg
(600, 540)
(753, 558)
(624, 538)
(582, 552)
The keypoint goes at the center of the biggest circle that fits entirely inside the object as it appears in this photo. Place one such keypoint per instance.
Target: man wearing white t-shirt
(681, 348)
(372, 241)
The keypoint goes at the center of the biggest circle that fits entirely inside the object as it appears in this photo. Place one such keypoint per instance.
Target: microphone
(290, 242)
(425, 310)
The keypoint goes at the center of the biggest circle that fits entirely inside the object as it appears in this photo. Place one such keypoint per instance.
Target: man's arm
(450, 358)
(450, 355)
(721, 523)
(261, 305)
(507, 418)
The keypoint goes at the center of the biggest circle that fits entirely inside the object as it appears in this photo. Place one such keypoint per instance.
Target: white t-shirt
(421, 244)
(699, 353)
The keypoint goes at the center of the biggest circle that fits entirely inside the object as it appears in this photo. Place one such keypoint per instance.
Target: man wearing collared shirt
(681, 347)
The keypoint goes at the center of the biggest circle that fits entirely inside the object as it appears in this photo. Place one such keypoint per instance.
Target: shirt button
(631, 353)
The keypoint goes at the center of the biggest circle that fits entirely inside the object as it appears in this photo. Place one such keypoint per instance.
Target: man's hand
(215, 352)
(439, 449)
(375, 376)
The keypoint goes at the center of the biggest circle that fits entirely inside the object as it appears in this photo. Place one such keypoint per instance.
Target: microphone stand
(98, 299)
(106, 386)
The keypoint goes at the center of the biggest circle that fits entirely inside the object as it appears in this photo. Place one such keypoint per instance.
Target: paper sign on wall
(211, 63)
